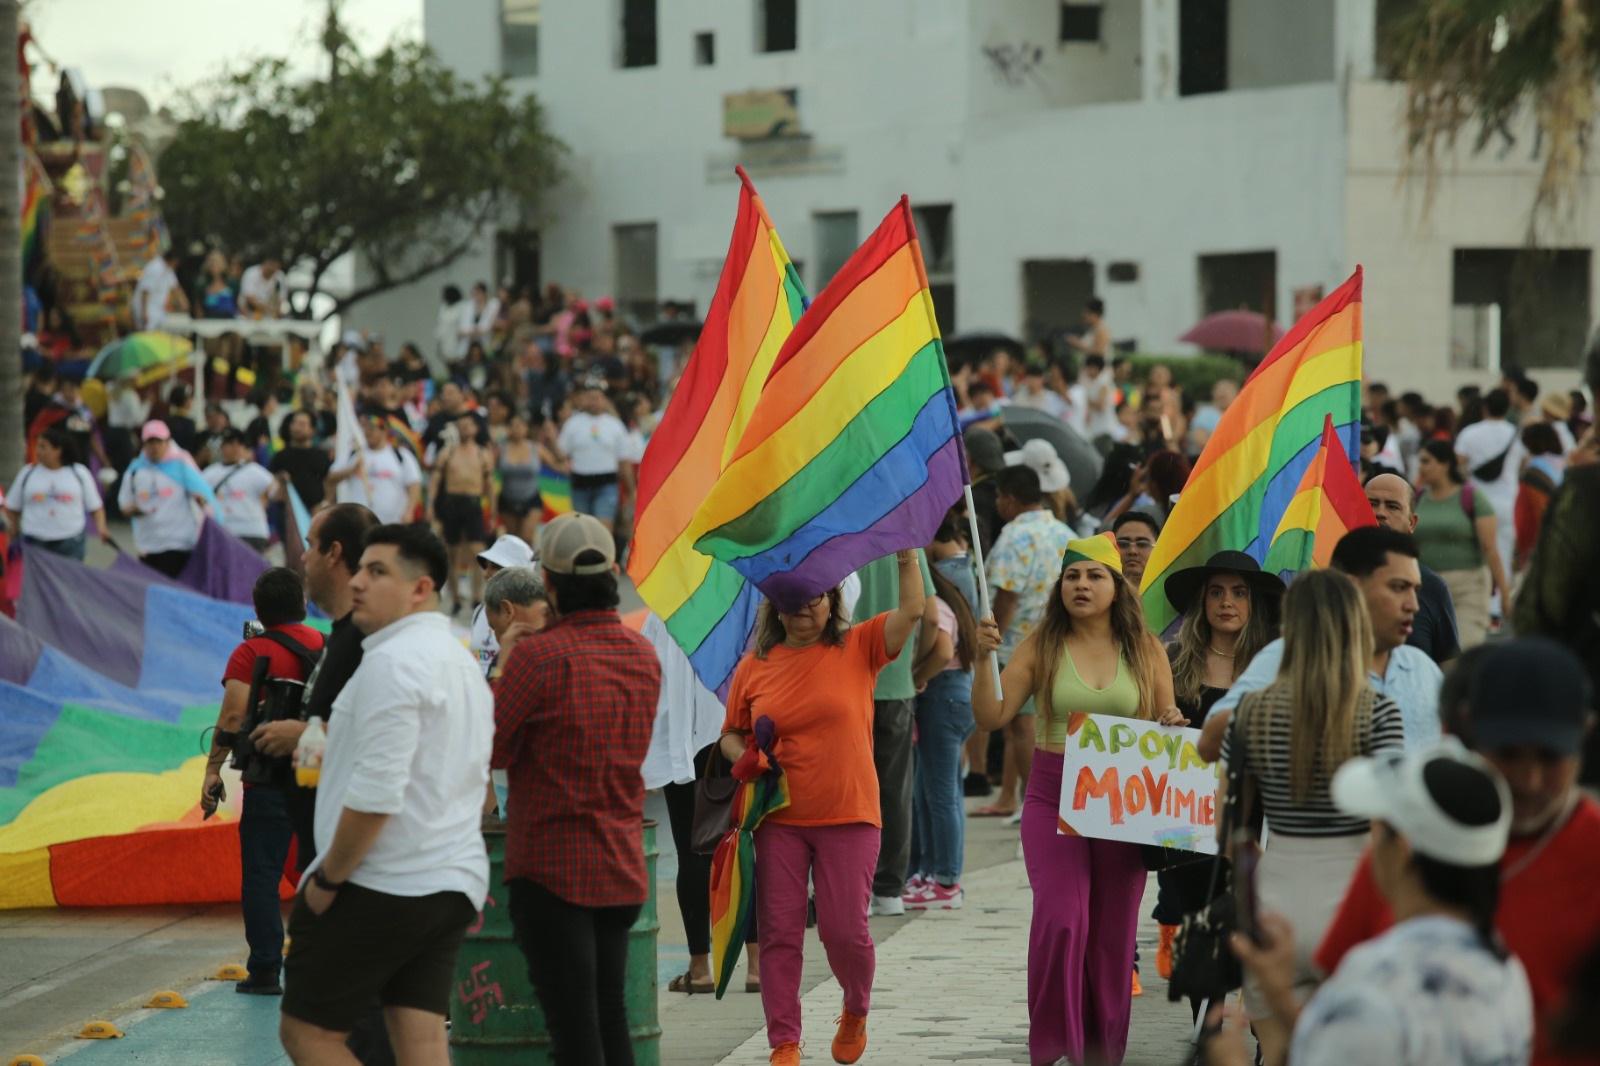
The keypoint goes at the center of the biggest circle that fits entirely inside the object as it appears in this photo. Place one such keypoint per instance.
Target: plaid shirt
(573, 715)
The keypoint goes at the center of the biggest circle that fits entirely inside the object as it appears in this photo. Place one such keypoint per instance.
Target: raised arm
(904, 618)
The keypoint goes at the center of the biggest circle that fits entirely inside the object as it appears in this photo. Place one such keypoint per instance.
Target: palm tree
(11, 428)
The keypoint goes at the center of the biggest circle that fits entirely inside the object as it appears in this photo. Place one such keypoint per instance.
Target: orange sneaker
(1138, 989)
(851, 1040)
(1164, 952)
(785, 1055)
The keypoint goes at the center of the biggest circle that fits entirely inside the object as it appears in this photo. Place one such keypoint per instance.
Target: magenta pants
(840, 860)
(1086, 897)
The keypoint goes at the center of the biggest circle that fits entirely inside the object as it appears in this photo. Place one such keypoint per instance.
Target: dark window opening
(705, 49)
(1080, 23)
(519, 38)
(1122, 272)
(1519, 307)
(777, 29)
(638, 33)
(1053, 294)
(1202, 47)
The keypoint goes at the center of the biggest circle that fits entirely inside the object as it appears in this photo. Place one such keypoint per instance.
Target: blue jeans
(938, 827)
(264, 835)
(600, 501)
(71, 547)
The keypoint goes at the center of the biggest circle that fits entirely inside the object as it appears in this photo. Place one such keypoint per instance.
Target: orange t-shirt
(820, 701)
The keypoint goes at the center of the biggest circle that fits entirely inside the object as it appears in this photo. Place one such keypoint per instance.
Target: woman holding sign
(1090, 654)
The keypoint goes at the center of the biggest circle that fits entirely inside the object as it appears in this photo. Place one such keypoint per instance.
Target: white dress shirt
(268, 292)
(410, 737)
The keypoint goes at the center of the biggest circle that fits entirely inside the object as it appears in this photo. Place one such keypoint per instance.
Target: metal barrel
(495, 1018)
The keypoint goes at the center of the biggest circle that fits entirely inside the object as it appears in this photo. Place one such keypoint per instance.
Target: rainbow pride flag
(853, 450)
(762, 789)
(1253, 465)
(35, 212)
(1329, 503)
(706, 604)
(555, 491)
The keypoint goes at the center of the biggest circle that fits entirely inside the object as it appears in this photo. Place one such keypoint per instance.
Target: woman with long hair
(1293, 736)
(1090, 653)
(50, 497)
(1457, 535)
(829, 833)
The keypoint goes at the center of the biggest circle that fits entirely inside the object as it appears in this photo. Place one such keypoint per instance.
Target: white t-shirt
(467, 322)
(156, 282)
(391, 471)
(1099, 389)
(1483, 441)
(594, 443)
(165, 520)
(268, 292)
(1047, 400)
(482, 642)
(53, 502)
(410, 737)
(242, 512)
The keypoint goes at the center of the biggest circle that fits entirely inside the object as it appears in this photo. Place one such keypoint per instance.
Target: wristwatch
(321, 881)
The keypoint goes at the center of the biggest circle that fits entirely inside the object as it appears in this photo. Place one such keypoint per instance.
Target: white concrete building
(1173, 157)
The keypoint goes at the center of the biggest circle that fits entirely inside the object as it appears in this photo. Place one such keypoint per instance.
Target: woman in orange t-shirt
(812, 674)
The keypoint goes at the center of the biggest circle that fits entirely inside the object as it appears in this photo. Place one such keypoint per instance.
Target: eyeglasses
(1135, 543)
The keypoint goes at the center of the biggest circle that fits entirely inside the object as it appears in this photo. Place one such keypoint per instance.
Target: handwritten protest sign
(1126, 779)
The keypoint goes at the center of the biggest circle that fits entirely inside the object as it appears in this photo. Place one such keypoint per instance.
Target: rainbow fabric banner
(706, 604)
(1329, 503)
(1253, 465)
(853, 450)
(35, 212)
(555, 491)
(733, 864)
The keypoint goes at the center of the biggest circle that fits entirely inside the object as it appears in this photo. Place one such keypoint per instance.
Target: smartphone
(1246, 859)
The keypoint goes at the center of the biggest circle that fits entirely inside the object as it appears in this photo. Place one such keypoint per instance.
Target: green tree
(393, 157)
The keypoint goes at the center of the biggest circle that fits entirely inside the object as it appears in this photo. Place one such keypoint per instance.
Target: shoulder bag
(713, 801)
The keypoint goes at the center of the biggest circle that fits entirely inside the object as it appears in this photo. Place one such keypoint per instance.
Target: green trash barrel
(494, 1015)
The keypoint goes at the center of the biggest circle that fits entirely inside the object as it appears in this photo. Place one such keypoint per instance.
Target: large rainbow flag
(853, 450)
(706, 604)
(108, 679)
(1329, 503)
(35, 212)
(1253, 465)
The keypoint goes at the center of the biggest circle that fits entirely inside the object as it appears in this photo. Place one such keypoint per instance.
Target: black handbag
(713, 802)
(1203, 965)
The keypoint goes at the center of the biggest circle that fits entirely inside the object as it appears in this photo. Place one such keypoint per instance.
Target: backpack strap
(1469, 500)
(283, 640)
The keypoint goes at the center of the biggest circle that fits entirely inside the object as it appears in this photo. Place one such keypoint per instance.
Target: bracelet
(321, 881)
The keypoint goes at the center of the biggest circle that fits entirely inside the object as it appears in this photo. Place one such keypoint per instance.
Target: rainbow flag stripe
(555, 491)
(706, 604)
(1253, 465)
(35, 212)
(853, 450)
(1329, 503)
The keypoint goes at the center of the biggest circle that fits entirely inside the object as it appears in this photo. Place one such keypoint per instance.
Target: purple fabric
(128, 564)
(95, 616)
(912, 524)
(222, 566)
(19, 652)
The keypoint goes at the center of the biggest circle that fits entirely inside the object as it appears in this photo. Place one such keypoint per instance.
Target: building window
(519, 38)
(1240, 281)
(1519, 307)
(1080, 23)
(837, 233)
(1202, 46)
(638, 293)
(1053, 294)
(638, 33)
(936, 232)
(777, 27)
(705, 49)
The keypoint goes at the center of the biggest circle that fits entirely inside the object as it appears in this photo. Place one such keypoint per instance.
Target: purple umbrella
(1234, 331)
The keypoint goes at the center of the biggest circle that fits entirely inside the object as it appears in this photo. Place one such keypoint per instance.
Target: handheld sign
(1133, 780)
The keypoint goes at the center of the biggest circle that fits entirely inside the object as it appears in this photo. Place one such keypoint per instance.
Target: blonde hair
(1327, 646)
(1127, 630)
(770, 632)
(1195, 635)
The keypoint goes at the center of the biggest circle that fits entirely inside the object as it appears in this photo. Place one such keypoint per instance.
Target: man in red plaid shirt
(573, 714)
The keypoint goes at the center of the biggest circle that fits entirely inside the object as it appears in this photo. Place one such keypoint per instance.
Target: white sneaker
(886, 906)
(1015, 819)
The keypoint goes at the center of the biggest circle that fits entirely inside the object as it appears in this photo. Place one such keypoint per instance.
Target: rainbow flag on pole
(555, 491)
(853, 450)
(706, 605)
(1253, 465)
(1329, 503)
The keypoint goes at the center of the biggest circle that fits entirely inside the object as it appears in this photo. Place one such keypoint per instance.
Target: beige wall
(1016, 63)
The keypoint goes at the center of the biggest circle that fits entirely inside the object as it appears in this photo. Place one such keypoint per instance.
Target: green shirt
(880, 592)
(1445, 537)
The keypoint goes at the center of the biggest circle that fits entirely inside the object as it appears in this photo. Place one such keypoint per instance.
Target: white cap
(353, 339)
(1417, 797)
(1041, 455)
(507, 551)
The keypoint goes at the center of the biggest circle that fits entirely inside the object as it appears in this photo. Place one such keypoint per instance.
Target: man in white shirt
(399, 850)
(478, 315)
(160, 490)
(1099, 397)
(261, 289)
(1035, 394)
(506, 552)
(384, 476)
(595, 443)
(241, 485)
(1491, 452)
(158, 286)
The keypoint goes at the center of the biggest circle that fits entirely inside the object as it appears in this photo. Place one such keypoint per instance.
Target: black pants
(264, 835)
(168, 563)
(578, 963)
(694, 871)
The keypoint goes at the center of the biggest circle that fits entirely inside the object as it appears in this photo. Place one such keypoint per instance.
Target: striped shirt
(1267, 721)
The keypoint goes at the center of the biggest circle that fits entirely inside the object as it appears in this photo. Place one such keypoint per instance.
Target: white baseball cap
(1041, 455)
(506, 552)
(1449, 803)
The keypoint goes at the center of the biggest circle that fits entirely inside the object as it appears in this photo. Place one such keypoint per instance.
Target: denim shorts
(599, 501)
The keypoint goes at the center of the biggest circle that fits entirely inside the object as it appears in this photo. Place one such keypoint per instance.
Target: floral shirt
(1026, 560)
(1426, 993)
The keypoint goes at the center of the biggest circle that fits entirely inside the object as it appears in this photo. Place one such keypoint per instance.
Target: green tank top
(1071, 695)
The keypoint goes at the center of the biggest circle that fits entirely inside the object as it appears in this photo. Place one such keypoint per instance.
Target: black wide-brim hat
(1183, 586)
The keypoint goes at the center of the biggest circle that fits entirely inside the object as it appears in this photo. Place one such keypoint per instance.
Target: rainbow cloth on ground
(853, 450)
(1252, 467)
(1329, 503)
(707, 606)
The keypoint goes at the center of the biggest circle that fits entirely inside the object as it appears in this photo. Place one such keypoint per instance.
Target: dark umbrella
(1234, 331)
(975, 346)
(1083, 461)
(669, 333)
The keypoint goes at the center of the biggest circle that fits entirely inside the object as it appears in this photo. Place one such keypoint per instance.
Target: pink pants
(840, 859)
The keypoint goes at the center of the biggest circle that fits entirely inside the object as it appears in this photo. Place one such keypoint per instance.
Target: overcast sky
(162, 46)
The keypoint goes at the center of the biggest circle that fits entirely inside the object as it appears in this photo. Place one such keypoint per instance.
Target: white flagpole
(983, 582)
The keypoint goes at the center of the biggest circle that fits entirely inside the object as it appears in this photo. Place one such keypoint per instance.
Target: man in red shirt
(1526, 706)
(289, 648)
(573, 712)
